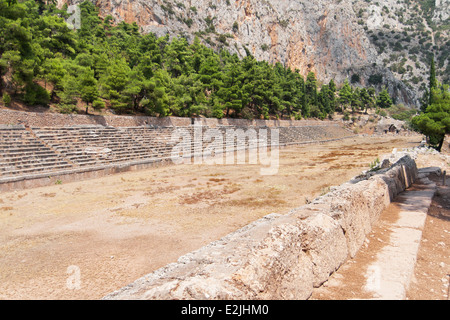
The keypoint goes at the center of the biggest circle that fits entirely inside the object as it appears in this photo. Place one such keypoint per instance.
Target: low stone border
(76, 174)
(280, 256)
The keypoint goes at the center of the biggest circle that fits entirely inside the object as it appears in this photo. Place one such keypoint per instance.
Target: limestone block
(277, 268)
(357, 206)
(324, 241)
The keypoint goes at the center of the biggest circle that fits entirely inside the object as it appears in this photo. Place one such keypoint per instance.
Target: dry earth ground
(83, 240)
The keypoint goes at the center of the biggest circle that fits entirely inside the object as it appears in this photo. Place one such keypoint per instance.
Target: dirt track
(82, 240)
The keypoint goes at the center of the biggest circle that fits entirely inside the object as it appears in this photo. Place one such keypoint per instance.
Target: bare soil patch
(115, 229)
(432, 270)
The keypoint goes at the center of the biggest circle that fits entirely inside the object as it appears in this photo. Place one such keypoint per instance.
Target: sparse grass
(198, 197)
(374, 165)
(325, 190)
(217, 179)
(49, 195)
(209, 194)
(161, 190)
(254, 202)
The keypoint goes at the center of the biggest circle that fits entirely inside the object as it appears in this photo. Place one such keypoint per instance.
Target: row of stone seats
(94, 145)
(45, 149)
(295, 135)
(21, 153)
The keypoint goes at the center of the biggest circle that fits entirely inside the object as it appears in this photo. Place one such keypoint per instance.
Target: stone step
(21, 166)
(35, 170)
(33, 161)
(29, 156)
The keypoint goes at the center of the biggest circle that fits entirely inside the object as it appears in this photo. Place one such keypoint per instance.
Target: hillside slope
(335, 39)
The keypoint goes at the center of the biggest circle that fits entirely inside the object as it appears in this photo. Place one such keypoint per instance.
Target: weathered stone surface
(9, 118)
(323, 238)
(400, 176)
(277, 268)
(442, 11)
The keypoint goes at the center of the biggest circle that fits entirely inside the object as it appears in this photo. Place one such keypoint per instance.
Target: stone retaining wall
(37, 119)
(77, 174)
(280, 256)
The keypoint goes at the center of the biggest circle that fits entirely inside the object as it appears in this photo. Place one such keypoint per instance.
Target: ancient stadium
(97, 208)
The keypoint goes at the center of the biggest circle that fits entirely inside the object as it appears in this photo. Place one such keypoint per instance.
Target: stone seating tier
(37, 150)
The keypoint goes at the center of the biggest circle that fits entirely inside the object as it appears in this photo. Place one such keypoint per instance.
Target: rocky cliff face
(330, 38)
(406, 35)
(442, 11)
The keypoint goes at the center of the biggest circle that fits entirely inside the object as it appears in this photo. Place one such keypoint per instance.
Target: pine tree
(54, 73)
(311, 89)
(365, 100)
(345, 95)
(435, 121)
(88, 87)
(69, 90)
(324, 99)
(432, 80)
(113, 83)
(304, 103)
(356, 99)
(332, 95)
(384, 100)
(332, 86)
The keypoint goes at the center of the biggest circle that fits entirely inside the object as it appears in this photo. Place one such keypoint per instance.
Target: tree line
(104, 65)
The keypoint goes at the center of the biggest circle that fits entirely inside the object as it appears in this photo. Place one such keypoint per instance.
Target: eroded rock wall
(280, 256)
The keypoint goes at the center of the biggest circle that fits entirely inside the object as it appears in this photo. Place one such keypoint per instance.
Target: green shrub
(36, 95)
(346, 116)
(374, 165)
(188, 22)
(6, 99)
(375, 79)
(355, 78)
(235, 27)
(264, 47)
(66, 108)
(98, 105)
(222, 38)
(382, 113)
